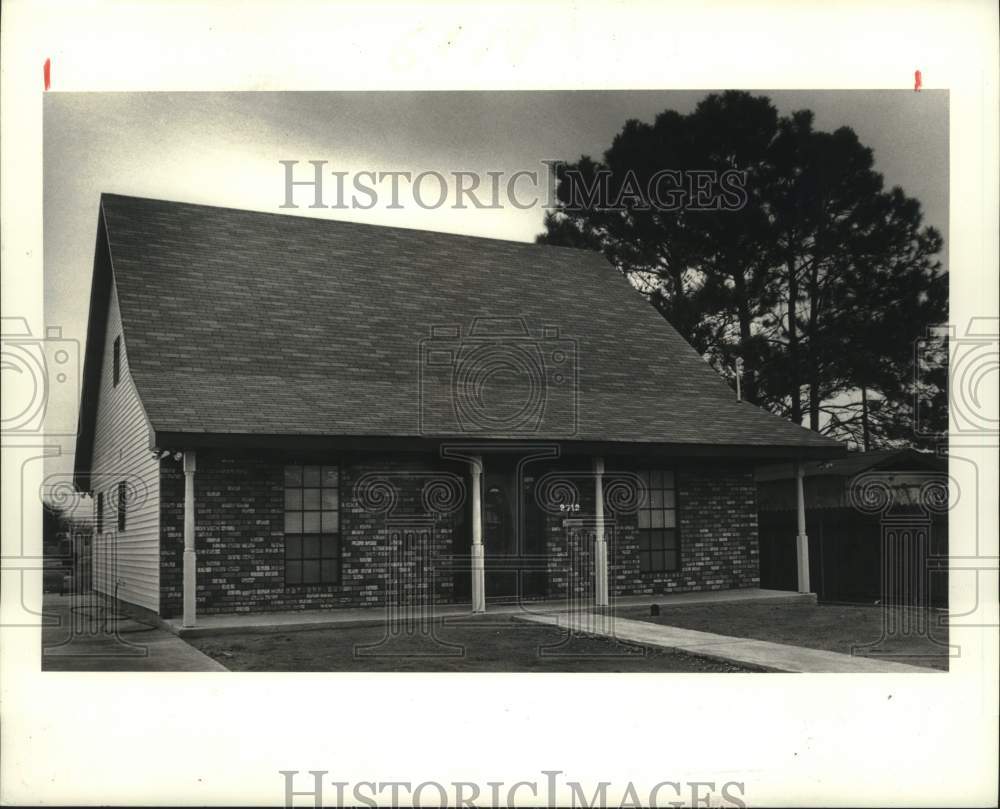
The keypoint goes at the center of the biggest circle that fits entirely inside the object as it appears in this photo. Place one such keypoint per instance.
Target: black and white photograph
(427, 450)
(402, 397)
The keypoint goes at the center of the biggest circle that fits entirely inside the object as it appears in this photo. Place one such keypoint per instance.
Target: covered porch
(582, 553)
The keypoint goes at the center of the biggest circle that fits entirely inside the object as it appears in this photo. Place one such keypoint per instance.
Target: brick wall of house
(398, 520)
(565, 496)
(402, 520)
(717, 520)
(717, 517)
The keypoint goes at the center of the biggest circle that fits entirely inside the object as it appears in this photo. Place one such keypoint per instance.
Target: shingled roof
(252, 324)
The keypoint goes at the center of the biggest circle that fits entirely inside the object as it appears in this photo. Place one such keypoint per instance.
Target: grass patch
(465, 644)
(831, 627)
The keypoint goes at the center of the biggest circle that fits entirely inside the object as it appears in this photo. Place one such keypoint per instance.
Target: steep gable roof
(245, 323)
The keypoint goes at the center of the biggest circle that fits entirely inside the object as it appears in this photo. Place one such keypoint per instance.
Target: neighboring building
(854, 505)
(284, 412)
(67, 551)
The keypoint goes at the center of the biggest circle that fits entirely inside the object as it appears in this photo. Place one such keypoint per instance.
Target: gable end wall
(126, 560)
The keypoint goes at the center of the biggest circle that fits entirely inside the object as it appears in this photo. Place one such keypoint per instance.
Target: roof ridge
(352, 222)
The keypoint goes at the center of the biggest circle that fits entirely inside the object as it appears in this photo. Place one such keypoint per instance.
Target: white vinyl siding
(128, 558)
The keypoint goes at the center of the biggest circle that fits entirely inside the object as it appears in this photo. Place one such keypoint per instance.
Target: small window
(117, 361)
(659, 549)
(312, 524)
(100, 512)
(122, 504)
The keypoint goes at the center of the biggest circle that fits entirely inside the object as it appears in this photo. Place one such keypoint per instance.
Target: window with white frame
(312, 524)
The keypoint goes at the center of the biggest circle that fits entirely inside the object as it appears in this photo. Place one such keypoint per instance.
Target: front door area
(513, 537)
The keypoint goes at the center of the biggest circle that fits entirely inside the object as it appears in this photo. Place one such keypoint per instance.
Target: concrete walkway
(85, 635)
(761, 654)
(297, 620)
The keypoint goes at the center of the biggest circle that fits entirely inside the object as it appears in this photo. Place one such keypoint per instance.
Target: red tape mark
(47, 70)
(918, 81)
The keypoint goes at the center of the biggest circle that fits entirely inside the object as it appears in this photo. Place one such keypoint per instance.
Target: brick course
(717, 521)
(401, 520)
(394, 549)
(717, 518)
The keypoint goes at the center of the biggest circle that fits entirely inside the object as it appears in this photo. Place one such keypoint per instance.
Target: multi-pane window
(100, 512)
(312, 524)
(122, 503)
(658, 544)
(116, 361)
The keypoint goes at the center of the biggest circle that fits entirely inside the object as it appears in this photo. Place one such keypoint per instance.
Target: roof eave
(92, 358)
(298, 443)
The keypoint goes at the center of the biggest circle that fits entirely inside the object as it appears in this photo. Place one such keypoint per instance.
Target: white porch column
(600, 543)
(802, 539)
(190, 561)
(478, 558)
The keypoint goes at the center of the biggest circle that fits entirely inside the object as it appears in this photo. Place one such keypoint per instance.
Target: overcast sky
(223, 149)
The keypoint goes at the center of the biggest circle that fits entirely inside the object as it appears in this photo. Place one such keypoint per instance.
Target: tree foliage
(821, 282)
